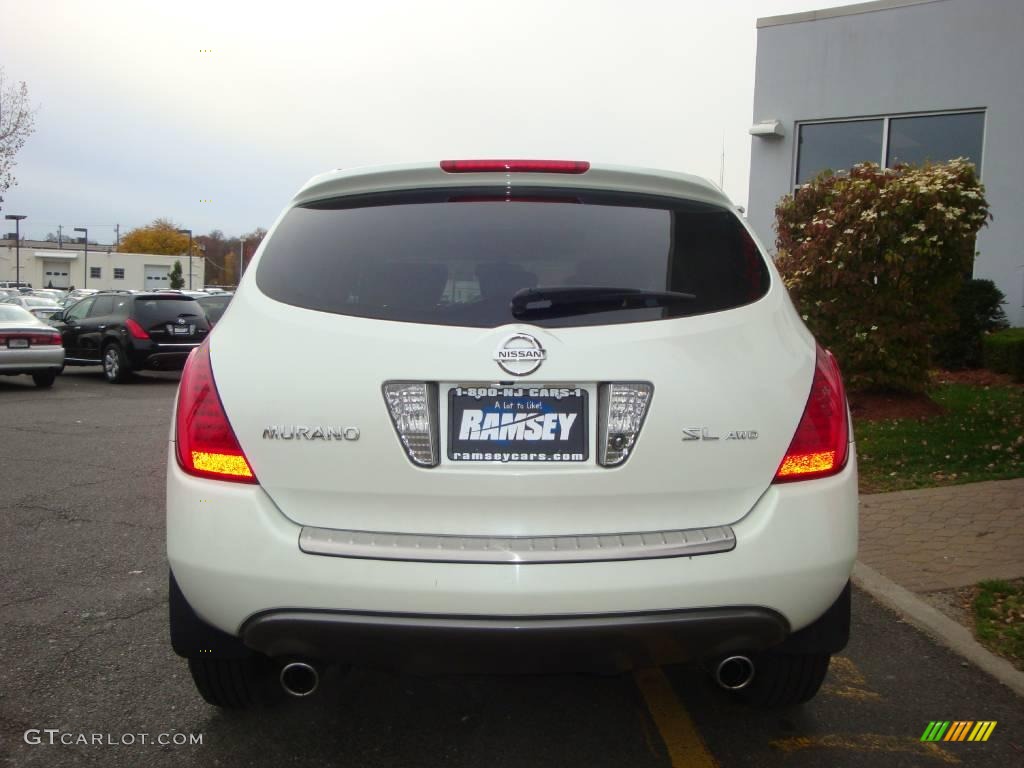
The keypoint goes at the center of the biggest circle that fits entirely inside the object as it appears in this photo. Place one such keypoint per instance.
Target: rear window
(457, 257)
(217, 302)
(150, 310)
(214, 306)
(38, 301)
(12, 313)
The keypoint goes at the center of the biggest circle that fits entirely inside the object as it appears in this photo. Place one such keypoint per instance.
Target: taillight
(413, 412)
(623, 408)
(34, 338)
(207, 446)
(515, 166)
(136, 330)
(821, 443)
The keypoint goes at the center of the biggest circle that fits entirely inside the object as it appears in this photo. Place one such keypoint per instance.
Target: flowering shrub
(873, 259)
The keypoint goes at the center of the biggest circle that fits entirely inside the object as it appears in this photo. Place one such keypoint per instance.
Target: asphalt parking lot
(84, 649)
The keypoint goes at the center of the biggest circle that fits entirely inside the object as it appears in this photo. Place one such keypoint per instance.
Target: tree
(230, 271)
(177, 281)
(161, 237)
(252, 242)
(17, 123)
(53, 237)
(215, 250)
(874, 258)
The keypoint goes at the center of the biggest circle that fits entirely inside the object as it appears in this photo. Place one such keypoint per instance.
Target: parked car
(29, 346)
(127, 332)
(214, 305)
(7, 292)
(78, 293)
(50, 293)
(46, 314)
(516, 410)
(31, 302)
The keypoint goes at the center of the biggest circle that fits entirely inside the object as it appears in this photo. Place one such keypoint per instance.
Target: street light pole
(241, 259)
(189, 233)
(85, 236)
(16, 218)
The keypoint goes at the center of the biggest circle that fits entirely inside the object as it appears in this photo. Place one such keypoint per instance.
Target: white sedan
(31, 302)
(29, 346)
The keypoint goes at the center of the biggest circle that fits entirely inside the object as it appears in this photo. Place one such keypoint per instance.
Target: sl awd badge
(520, 354)
(703, 433)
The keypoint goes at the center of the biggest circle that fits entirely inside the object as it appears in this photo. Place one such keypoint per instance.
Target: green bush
(177, 281)
(979, 310)
(1004, 352)
(874, 258)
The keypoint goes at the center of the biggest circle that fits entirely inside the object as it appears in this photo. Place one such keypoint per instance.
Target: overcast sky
(137, 121)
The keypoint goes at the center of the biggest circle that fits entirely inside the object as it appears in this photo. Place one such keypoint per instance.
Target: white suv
(509, 413)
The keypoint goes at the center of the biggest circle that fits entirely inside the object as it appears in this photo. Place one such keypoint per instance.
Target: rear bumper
(161, 357)
(31, 360)
(239, 564)
(528, 643)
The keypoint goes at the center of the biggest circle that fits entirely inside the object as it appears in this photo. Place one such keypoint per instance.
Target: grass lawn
(978, 436)
(999, 618)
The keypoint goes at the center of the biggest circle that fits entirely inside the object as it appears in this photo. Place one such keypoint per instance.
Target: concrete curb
(938, 625)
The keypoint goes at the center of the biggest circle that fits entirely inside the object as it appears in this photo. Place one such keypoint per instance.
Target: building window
(839, 145)
(94, 272)
(836, 146)
(936, 138)
(119, 273)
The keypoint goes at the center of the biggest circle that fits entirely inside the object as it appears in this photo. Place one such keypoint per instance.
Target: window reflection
(936, 138)
(837, 146)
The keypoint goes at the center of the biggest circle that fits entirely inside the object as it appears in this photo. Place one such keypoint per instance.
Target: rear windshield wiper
(546, 302)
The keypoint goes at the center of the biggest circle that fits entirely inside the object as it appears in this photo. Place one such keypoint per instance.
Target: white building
(44, 265)
(897, 81)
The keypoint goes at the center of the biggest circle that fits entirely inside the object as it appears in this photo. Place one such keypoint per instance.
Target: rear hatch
(171, 319)
(471, 362)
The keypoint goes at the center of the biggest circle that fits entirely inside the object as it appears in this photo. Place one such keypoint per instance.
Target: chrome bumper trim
(583, 548)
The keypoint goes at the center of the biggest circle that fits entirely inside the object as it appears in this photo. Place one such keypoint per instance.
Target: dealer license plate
(517, 424)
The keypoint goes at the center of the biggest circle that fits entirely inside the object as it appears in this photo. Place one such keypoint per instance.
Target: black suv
(126, 332)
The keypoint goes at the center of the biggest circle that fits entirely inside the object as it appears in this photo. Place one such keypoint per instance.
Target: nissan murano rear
(479, 415)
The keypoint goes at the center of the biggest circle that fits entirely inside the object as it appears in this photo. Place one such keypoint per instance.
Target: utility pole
(17, 219)
(721, 168)
(117, 236)
(60, 237)
(85, 272)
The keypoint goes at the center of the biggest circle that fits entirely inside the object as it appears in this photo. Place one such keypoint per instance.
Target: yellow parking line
(865, 742)
(846, 672)
(682, 740)
(849, 681)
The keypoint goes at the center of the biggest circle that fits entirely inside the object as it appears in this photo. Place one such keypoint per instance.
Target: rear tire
(785, 679)
(235, 683)
(44, 380)
(116, 367)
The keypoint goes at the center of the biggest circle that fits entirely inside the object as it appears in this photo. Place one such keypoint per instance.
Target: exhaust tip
(299, 679)
(734, 673)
